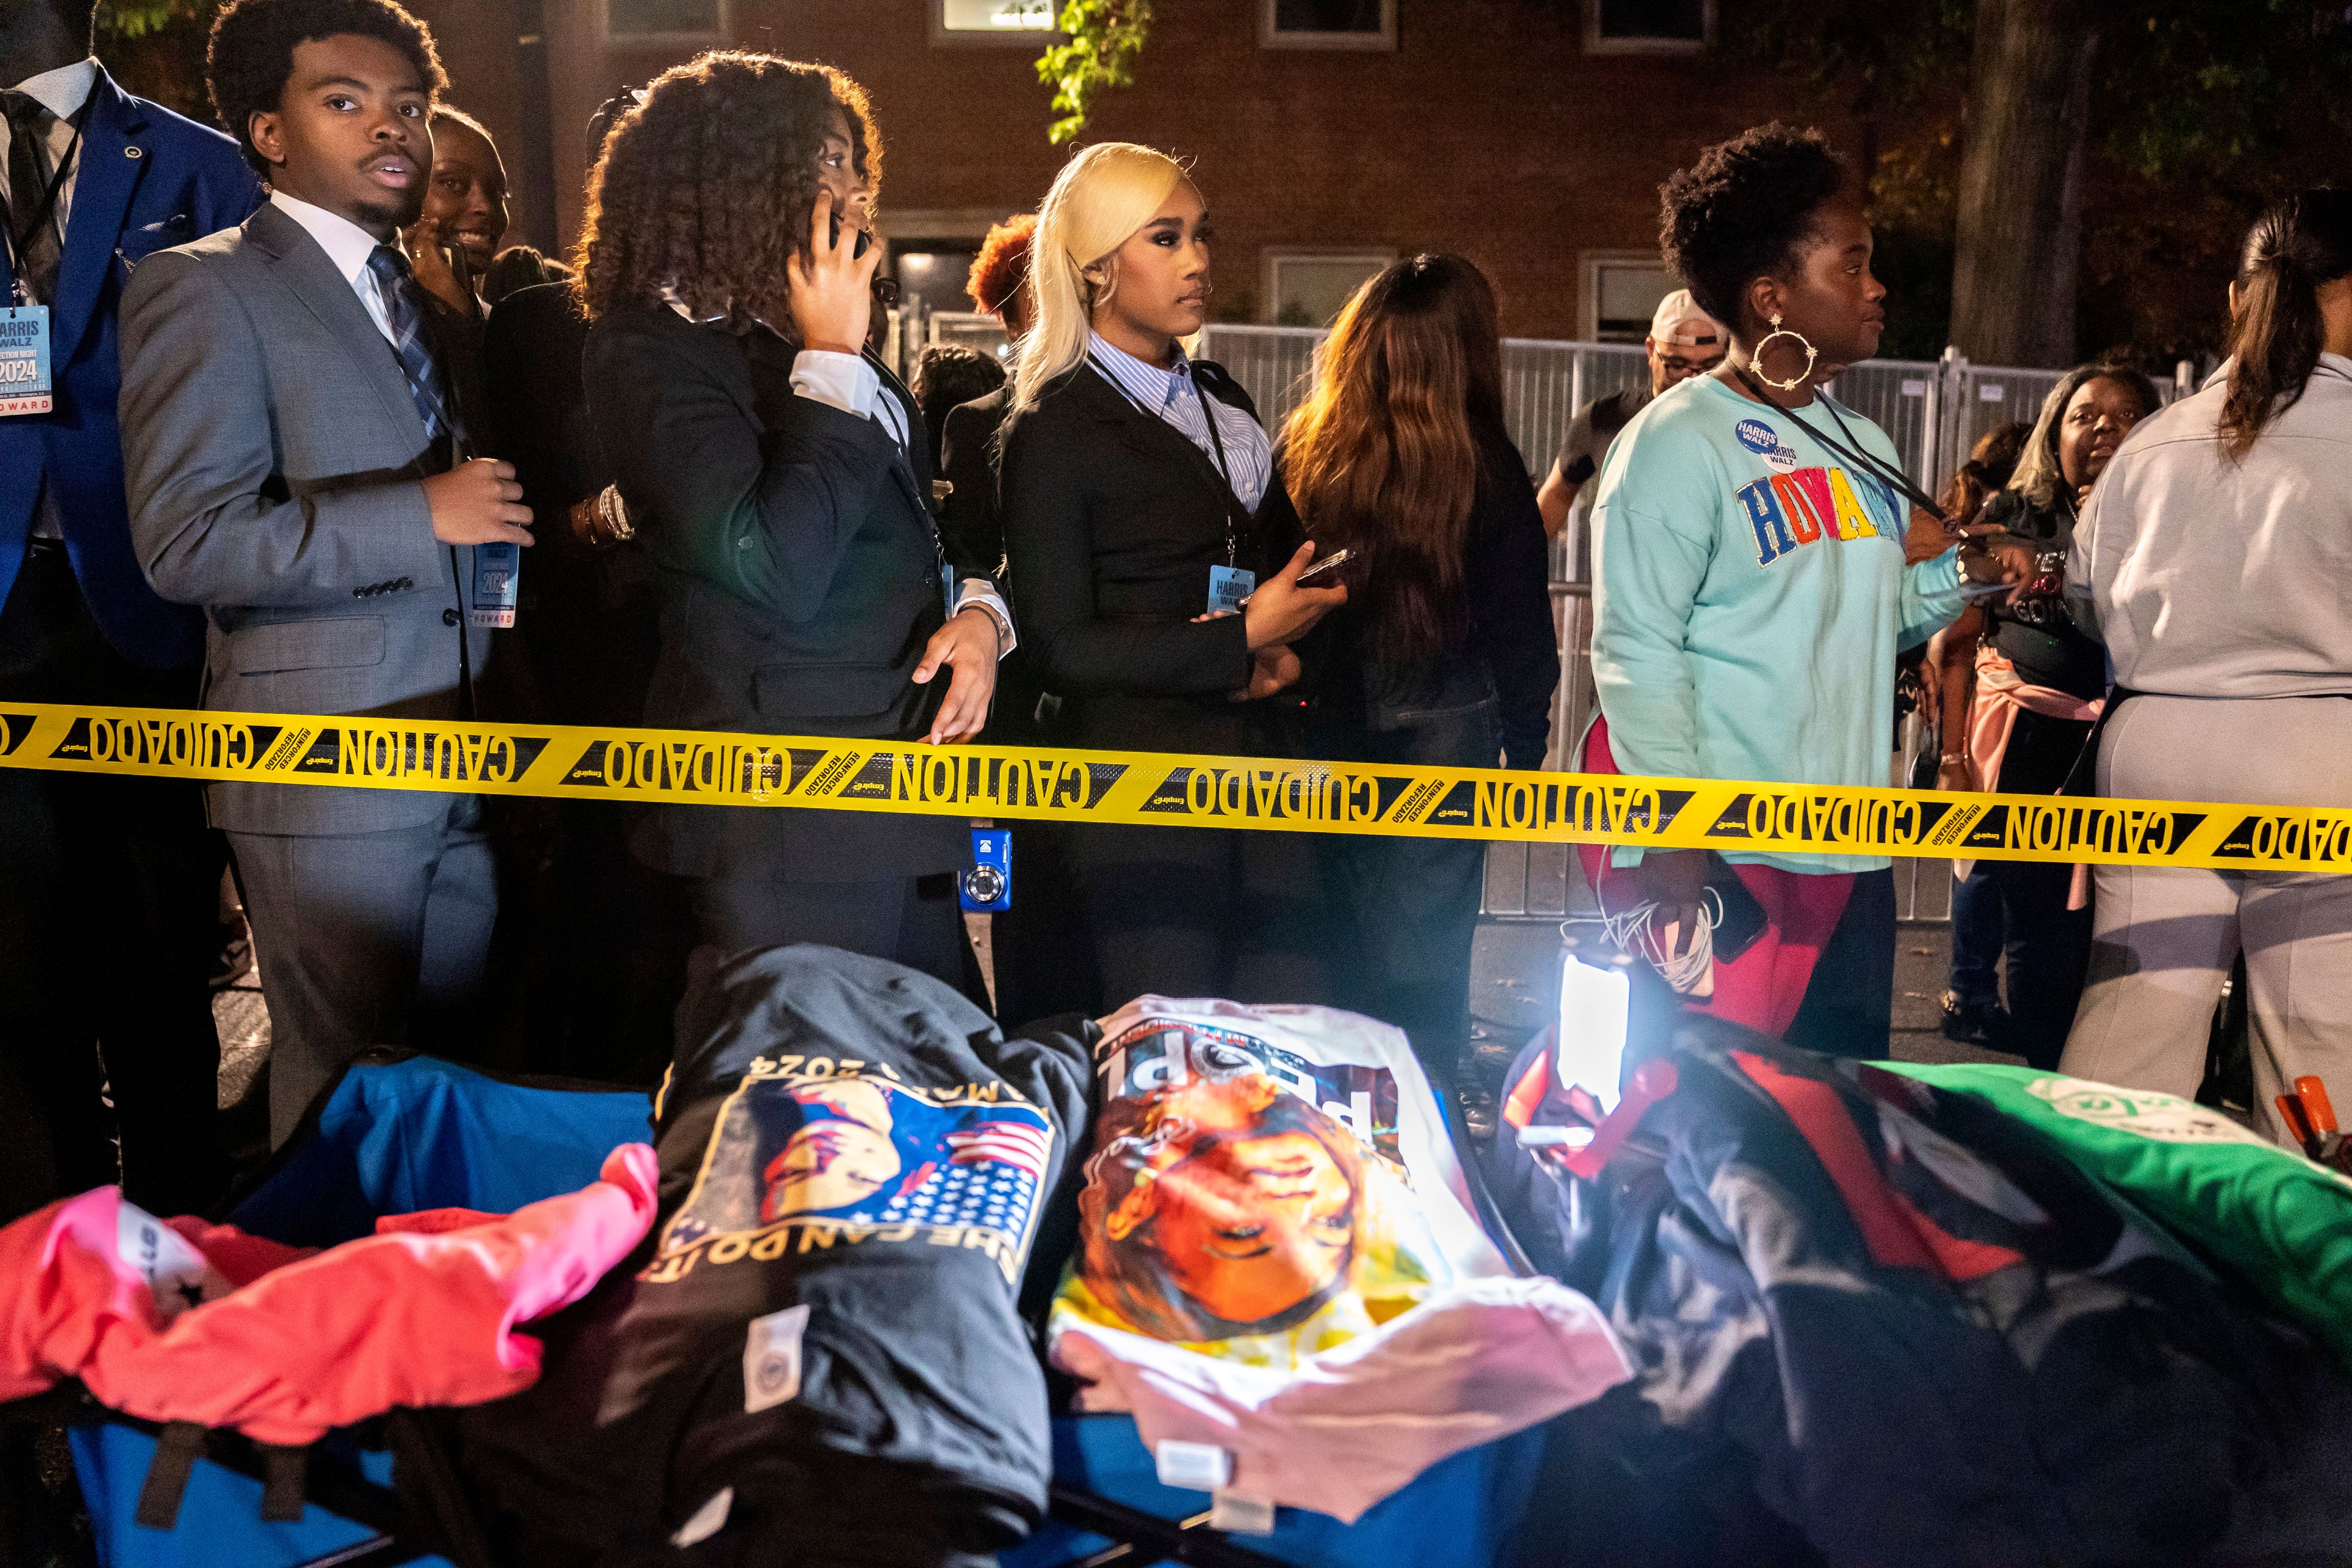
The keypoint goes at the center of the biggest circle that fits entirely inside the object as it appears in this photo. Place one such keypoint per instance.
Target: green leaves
(1101, 40)
(144, 18)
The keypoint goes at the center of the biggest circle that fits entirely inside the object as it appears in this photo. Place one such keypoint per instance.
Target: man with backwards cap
(1684, 342)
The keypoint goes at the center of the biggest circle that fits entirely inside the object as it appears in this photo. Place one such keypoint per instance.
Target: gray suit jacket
(274, 461)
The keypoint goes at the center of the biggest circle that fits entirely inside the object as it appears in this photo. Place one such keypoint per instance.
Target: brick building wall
(1488, 131)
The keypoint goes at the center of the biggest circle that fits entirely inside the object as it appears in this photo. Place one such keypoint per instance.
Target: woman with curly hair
(780, 478)
(1751, 590)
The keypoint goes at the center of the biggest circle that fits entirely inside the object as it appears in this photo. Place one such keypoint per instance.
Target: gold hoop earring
(1756, 358)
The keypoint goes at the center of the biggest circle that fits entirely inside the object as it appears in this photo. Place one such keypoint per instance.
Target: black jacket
(800, 574)
(971, 520)
(850, 1142)
(587, 615)
(1112, 520)
(1508, 650)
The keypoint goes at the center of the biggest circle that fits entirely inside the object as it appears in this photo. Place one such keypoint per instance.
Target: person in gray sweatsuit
(2215, 554)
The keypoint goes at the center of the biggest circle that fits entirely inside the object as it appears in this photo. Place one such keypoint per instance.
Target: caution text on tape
(1167, 789)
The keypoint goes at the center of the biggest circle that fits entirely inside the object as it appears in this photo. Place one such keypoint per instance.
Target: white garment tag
(707, 1519)
(1238, 1515)
(1196, 1466)
(176, 1273)
(772, 1359)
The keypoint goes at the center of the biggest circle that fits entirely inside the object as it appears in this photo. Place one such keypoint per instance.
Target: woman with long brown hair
(1443, 655)
(779, 476)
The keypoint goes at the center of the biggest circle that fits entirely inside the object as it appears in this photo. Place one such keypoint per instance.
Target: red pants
(1765, 985)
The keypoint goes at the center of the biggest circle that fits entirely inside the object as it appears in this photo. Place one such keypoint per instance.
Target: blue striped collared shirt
(1173, 396)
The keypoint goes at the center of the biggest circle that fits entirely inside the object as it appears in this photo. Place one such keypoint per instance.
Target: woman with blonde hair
(1154, 563)
(1446, 655)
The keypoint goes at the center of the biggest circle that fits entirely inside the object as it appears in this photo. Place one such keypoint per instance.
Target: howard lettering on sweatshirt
(1805, 506)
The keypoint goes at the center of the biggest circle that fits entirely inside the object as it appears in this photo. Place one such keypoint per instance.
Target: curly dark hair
(707, 185)
(1744, 210)
(1003, 264)
(252, 53)
(947, 374)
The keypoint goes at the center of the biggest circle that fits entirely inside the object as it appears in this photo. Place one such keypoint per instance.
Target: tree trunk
(2019, 238)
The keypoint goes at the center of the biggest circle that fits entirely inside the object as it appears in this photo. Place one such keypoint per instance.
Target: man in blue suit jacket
(109, 919)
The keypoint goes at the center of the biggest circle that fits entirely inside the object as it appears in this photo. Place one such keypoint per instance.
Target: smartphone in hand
(1336, 559)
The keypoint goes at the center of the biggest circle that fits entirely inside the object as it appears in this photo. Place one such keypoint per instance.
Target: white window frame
(945, 36)
(725, 33)
(1270, 268)
(1271, 38)
(1589, 265)
(1594, 44)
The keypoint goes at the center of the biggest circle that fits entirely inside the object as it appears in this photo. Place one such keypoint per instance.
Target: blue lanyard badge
(1228, 586)
(498, 571)
(25, 360)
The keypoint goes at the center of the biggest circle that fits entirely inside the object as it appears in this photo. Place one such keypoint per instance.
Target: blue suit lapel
(108, 170)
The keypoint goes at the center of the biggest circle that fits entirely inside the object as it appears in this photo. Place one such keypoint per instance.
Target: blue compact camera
(987, 887)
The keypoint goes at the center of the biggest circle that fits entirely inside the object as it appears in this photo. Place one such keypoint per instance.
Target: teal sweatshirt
(1750, 596)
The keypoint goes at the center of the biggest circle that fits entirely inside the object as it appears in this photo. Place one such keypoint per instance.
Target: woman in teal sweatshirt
(1751, 588)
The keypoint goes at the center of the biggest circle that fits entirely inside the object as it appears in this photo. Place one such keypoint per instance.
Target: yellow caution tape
(1162, 789)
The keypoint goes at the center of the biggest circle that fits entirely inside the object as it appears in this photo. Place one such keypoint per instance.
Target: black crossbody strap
(1850, 449)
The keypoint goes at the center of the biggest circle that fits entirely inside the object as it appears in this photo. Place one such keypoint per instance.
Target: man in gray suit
(296, 452)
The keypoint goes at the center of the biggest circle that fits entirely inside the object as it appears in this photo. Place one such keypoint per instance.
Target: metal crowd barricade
(1933, 411)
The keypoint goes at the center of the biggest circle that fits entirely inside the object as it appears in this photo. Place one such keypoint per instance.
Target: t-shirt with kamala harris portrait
(1750, 595)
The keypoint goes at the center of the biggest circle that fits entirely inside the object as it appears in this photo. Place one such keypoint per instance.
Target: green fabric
(2282, 1221)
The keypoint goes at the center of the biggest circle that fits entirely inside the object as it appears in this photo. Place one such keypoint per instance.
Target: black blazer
(799, 574)
(972, 520)
(1507, 650)
(1112, 520)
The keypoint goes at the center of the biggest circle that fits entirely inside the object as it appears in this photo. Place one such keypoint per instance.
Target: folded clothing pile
(181, 1321)
(817, 1356)
(1881, 1320)
(1279, 1259)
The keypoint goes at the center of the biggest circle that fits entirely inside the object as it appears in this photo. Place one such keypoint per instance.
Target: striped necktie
(406, 312)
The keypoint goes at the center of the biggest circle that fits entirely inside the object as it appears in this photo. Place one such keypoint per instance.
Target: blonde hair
(1100, 198)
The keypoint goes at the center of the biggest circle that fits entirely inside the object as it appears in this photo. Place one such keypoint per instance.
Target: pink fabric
(286, 1344)
(1472, 1364)
(1764, 987)
(2000, 698)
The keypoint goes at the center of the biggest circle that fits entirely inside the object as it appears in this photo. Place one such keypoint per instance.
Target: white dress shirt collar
(1148, 383)
(347, 245)
(64, 90)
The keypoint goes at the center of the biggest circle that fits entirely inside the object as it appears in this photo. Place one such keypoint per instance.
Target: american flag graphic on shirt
(1014, 1143)
(958, 1163)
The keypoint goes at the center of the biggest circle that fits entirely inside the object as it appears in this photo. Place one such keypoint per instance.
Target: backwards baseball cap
(1680, 321)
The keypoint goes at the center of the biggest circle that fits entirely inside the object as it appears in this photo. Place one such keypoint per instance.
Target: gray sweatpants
(2164, 940)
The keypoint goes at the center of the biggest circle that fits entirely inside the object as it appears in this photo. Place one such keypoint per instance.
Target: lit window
(1648, 26)
(1621, 295)
(665, 19)
(1327, 24)
(1307, 287)
(987, 21)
